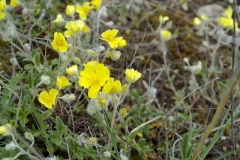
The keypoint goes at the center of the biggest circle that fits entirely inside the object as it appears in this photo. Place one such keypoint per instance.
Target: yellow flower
(70, 10)
(122, 43)
(112, 87)
(85, 29)
(225, 22)
(94, 76)
(14, 3)
(96, 4)
(5, 129)
(73, 27)
(196, 21)
(62, 82)
(84, 10)
(203, 17)
(165, 35)
(2, 9)
(163, 18)
(228, 13)
(123, 112)
(139, 134)
(59, 19)
(93, 139)
(48, 99)
(113, 41)
(132, 75)
(73, 70)
(59, 42)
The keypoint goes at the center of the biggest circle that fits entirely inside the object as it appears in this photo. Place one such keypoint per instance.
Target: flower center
(96, 79)
(48, 100)
(59, 41)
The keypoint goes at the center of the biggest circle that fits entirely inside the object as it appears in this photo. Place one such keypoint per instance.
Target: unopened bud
(107, 154)
(109, 23)
(29, 136)
(68, 98)
(10, 146)
(45, 80)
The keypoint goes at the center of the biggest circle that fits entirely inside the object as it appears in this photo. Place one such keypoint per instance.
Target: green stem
(42, 127)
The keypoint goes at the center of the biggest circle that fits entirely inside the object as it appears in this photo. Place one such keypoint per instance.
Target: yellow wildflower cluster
(198, 20)
(226, 21)
(163, 19)
(3, 7)
(73, 27)
(48, 99)
(83, 10)
(96, 75)
(59, 42)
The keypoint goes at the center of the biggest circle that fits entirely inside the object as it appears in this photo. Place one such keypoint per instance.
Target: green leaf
(54, 62)
(137, 147)
(29, 66)
(30, 79)
(60, 127)
(34, 52)
(184, 146)
(38, 133)
(26, 56)
(36, 59)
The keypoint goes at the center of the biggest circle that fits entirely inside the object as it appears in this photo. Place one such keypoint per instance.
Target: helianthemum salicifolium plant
(74, 75)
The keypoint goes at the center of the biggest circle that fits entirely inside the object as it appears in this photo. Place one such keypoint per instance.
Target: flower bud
(29, 136)
(27, 46)
(76, 60)
(107, 154)
(114, 55)
(45, 80)
(13, 61)
(68, 98)
(73, 70)
(109, 23)
(104, 11)
(186, 60)
(10, 146)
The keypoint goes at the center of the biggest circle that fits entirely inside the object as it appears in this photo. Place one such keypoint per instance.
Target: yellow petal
(93, 91)
(62, 82)
(5, 129)
(2, 15)
(53, 94)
